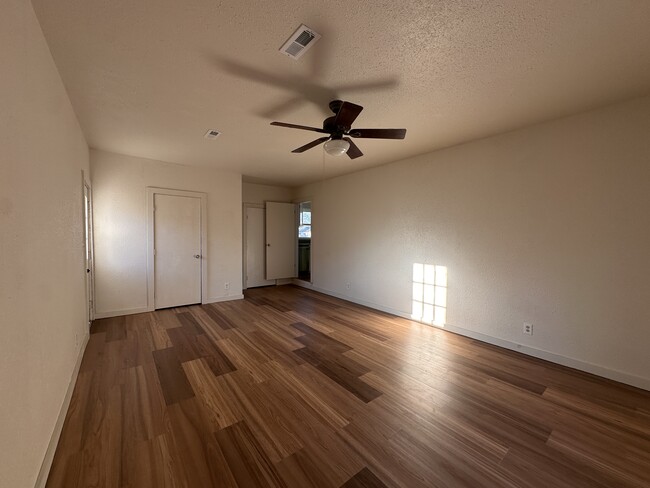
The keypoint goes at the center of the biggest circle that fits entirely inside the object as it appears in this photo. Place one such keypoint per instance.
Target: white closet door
(177, 248)
(281, 240)
(255, 248)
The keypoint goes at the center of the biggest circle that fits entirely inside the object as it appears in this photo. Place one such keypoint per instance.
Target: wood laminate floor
(293, 388)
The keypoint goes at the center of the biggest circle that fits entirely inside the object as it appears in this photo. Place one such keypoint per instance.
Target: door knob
(268, 245)
(197, 256)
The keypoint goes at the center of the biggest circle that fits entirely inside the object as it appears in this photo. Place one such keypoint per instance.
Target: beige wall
(258, 194)
(120, 218)
(548, 225)
(42, 295)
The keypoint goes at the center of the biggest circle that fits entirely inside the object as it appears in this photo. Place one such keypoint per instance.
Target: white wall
(258, 194)
(120, 217)
(42, 295)
(548, 224)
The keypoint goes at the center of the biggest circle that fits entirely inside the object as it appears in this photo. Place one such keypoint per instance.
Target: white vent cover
(299, 42)
(212, 134)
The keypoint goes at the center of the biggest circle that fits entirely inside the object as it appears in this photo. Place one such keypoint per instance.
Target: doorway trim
(298, 217)
(88, 245)
(151, 192)
(246, 206)
(298, 281)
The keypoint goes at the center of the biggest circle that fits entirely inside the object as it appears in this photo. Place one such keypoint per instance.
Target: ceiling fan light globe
(336, 147)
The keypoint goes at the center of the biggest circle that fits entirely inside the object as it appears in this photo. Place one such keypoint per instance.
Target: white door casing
(255, 271)
(281, 240)
(176, 235)
(88, 249)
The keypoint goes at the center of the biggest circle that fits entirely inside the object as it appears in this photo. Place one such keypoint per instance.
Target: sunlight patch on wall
(429, 294)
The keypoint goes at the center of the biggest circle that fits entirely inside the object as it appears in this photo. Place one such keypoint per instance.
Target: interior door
(88, 238)
(281, 240)
(255, 248)
(177, 250)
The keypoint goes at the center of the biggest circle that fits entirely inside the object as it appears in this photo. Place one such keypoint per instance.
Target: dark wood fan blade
(378, 133)
(310, 145)
(353, 152)
(347, 114)
(303, 127)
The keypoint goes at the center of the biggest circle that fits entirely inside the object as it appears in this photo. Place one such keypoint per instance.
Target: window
(304, 226)
(430, 293)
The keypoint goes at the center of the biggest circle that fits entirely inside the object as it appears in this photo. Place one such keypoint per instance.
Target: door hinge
(154, 252)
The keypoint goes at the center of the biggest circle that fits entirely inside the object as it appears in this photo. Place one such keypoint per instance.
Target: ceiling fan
(338, 127)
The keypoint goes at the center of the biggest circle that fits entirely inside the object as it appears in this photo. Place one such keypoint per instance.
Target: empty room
(324, 244)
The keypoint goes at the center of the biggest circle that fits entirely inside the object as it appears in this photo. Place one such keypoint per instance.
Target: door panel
(177, 242)
(281, 240)
(255, 248)
(88, 235)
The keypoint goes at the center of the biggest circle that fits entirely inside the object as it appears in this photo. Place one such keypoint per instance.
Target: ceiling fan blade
(310, 145)
(301, 86)
(282, 108)
(303, 127)
(378, 133)
(353, 151)
(347, 114)
(384, 84)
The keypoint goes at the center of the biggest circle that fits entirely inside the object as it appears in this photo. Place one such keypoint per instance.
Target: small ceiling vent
(299, 42)
(212, 134)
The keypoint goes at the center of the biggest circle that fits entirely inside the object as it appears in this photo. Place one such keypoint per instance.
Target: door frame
(151, 192)
(245, 240)
(311, 242)
(298, 281)
(86, 190)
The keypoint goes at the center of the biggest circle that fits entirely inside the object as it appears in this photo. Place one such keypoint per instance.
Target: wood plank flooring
(291, 388)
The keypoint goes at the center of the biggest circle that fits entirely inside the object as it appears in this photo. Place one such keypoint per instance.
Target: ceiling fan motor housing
(335, 105)
(329, 125)
(338, 127)
(336, 130)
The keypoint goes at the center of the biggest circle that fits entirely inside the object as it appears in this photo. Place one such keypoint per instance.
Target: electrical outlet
(347, 285)
(528, 328)
(226, 285)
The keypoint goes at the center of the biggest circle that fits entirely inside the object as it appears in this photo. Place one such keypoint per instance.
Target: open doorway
(304, 241)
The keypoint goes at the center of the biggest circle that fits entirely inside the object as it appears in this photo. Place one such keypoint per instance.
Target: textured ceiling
(148, 78)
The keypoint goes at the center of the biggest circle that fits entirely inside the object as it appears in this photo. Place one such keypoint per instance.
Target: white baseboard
(376, 306)
(118, 313)
(608, 373)
(612, 374)
(131, 311)
(41, 480)
(225, 299)
(302, 283)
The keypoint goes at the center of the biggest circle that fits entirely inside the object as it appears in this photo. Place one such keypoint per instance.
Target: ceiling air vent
(299, 42)
(212, 134)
